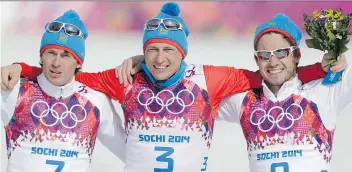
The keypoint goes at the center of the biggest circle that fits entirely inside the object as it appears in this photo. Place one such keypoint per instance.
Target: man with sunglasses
(288, 126)
(52, 121)
(170, 108)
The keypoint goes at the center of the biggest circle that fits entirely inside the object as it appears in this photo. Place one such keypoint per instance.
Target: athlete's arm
(30, 71)
(105, 82)
(310, 72)
(8, 103)
(230, 108)
(111, 131)
(224, 81)
(342, 91)
(318, 70)
(336, 96)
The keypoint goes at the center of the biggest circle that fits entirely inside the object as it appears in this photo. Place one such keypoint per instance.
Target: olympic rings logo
(156, 98)
(58, 117)
(280, 117)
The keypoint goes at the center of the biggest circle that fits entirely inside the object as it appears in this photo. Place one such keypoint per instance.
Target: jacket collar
(56, 91)
(288, 88)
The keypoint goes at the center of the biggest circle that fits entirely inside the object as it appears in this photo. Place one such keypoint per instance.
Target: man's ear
(41, 60)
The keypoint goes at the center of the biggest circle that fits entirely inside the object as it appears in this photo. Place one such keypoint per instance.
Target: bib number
(283, 165)
(165, 159)
(205, 164)
(170, 162)
(60, 164)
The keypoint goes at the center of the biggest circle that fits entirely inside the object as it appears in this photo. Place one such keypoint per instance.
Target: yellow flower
(329, 14)
(337, 15)
(333, 20)
(316, 15)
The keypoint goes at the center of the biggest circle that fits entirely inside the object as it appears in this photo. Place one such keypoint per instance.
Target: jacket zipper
(62, 92)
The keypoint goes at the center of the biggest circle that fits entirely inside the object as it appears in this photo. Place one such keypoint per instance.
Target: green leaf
(345, 41)
(342, 49)
(310, 43)
(331, 36)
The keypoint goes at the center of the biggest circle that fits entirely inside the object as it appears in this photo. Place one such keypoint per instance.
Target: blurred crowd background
(229, 19)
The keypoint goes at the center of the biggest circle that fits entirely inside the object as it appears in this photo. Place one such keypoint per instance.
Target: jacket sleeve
(29, 71)
(230, 108)
(111, 131)
(8, 103)
(342, 91)
(335, 97)
(310, 72)
(105, 82)
(223, 81)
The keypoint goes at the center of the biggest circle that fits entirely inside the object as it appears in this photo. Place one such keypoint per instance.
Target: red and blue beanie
(60, 40)
(282, 24)
(177, 38)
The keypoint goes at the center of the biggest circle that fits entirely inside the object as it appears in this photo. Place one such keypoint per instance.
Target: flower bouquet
(329, 31)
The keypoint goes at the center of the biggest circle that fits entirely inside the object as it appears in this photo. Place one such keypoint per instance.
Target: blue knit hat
(177, 38)
(282, 24)
(73, 44)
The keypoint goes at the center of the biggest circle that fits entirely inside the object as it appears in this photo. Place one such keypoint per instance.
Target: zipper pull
(62, 92)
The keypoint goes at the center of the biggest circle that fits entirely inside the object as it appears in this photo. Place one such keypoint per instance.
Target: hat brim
(62, 48)
(166, 41)
(275, 30)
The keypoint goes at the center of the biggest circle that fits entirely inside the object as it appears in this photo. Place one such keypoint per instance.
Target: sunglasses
(279, 53)
(169, 24)
(69, 29)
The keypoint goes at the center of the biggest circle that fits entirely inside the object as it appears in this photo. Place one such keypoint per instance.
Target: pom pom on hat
(281, 16)
(72, 15)
(171, 8)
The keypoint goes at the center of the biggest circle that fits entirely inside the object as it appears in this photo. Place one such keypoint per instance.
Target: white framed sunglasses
(169, 24)
(281, 53)
(69, 29)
